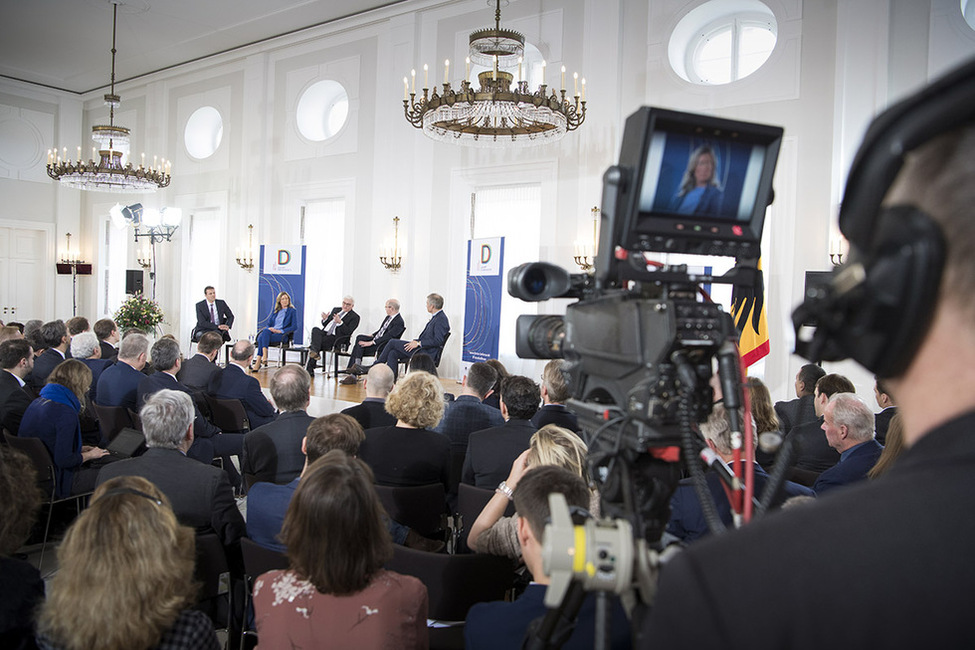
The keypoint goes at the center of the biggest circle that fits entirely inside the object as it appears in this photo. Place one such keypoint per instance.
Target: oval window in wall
(722, 41)
(204, 131)
(322, 110)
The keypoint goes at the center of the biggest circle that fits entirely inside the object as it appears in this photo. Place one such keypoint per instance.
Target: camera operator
(887, 564)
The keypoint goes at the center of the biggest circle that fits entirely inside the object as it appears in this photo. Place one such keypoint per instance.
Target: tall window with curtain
(324, 237)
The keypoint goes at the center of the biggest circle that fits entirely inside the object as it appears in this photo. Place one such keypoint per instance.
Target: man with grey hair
(341, 322)
(200, 494)
(119, 383)
(848, 423)
(370, 345)
(85, 348)
(372, 411)
(555, 392)
(272, 453)
(431, 339)
(233, 382)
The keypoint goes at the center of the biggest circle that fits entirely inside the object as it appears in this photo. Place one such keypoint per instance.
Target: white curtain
(324, 267)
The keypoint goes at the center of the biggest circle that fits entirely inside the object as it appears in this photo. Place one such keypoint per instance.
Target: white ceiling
(66, 44)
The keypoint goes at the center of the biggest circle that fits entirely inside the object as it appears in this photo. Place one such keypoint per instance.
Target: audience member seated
(505, 625)
(76, 325)
(371, 413)
(119, 384)
(126, 577)
(494, 397)
(56, 341)
(800, 410)
(21, 586)
(409, 453)
(496, 534)
(467, 413)
(370, 345)
(54, 418)
(233, 383)
(765, 422)
(813, 454)
(892, 450)
(431, 338)
(195, 372)
(888, 409)
(200, 493)
(336, 588)
(207, 439)
(16, 361)
(687, 522)
(848, 423)
(85, 348)
(423, 362)
(282, 323)
(212, 315)
(273, 452)
(107, 332)
(554, 394)
(341, 322)
(490, 452)
(8, 332)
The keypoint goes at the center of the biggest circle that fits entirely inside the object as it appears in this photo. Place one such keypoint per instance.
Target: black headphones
(878, 305)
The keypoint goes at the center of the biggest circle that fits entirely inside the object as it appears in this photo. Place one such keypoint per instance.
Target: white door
(23, 279)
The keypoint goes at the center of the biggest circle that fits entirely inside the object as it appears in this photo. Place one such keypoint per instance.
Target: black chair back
(439, 352)
(228, 415)
(136, 419)
(422, 508)
(470, 502)
(112, 419)
(258, 560)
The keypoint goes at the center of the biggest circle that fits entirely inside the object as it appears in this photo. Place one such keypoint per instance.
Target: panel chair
(341, 348)
(423, 508)
(228, 415)
(46, 478)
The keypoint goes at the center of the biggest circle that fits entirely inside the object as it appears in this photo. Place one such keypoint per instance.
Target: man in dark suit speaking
(340, 322)
(212, 315)
(430, 340)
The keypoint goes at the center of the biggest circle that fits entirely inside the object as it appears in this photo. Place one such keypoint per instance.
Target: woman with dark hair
(765, 421)
(335, 593)
(283, 321)
(126, 577)
(422, 361)
(494, 399)
(699, 191)
(54, 418)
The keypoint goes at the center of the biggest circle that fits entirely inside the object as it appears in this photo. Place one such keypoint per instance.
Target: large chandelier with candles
(502, 112)
(105, 171)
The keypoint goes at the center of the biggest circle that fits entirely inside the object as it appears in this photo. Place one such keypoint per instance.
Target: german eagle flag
(748, 310)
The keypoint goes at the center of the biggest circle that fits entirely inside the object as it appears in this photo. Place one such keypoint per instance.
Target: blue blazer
(435, 333)
(233, 383)
(851, 469)
(118, 385)
(58, 427)
(157, 381)
(290, 320)
(97, 367)
(267, 504)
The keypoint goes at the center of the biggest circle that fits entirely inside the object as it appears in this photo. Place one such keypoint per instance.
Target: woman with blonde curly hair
(410, 452)
(126, 577)
(493, 533)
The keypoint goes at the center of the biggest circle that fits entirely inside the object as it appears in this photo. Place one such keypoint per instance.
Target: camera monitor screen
(698, 184)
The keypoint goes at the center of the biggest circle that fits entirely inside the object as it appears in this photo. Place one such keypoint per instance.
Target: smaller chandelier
(104, 171)
(501, 112)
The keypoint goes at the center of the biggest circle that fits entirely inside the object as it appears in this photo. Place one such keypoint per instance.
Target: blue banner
(482, 309)
(282, 270)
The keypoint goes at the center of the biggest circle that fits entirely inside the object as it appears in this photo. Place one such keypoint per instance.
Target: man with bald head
(372, 411)
(233, 382)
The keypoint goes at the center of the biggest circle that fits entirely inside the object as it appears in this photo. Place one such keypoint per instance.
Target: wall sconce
(392, 259)
(245, 259)
(585, 253)
(838, 248)
(70, 263)
(144, 258)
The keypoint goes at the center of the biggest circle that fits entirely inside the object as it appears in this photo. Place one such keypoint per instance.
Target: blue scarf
(61, 395)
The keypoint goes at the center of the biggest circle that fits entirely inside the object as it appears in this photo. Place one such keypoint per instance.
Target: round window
(322, 110)
(204, 131)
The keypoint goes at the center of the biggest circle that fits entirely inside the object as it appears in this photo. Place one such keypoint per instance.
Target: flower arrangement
(138, 311)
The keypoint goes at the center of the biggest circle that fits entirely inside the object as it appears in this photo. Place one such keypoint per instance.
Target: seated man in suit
(813, 455)
(213, 315)
(85, 348)
(233, 382)
(16, 361)
(76, 325)
(888, 409)
(54, 335)
(195, 372)
(200, 493)
(370, 345)
(848, 425)
(467, 413)
(490, 452)
(505, 625)
(554, 394)
(800, 410)
(272, 453)
(430, 340)
(107, 333)
(687, 521)
(119, 383)
(338, 323)
(372, 411)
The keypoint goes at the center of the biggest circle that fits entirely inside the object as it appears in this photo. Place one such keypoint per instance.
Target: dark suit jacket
(200, 494)
(405, 457)
(203, 322)
(14, 400)
(834, 552)
(556, 414)
(43, 365)
(371, 413)
(795, 412)
(109, 351)
(882, 423)
(465, 415)
(434, 334)
(349, 323)
(195, 373)
(202, 428)
(813, 452)
(490, 453)
(97, 367)
(851, 469)
(272, 453)
(233, 383)
(394, 330)
(267, 504)
(119, 386)
(503, 625)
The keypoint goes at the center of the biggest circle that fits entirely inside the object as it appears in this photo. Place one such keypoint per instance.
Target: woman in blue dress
(699, 192)
(284, 321)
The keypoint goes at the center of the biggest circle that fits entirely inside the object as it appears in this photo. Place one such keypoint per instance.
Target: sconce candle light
(585, 253)
(392, 259)
(245, 259)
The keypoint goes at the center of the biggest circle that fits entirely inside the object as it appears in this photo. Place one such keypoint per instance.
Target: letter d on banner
(283, 257)
(485, 253)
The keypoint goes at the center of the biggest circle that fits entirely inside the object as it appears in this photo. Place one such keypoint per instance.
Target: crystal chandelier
(498, 114)
(108, 174)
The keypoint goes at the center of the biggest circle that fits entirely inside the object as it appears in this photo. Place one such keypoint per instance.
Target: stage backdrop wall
(282, 269)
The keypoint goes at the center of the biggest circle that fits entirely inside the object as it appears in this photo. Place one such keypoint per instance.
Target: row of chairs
(226, 414)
